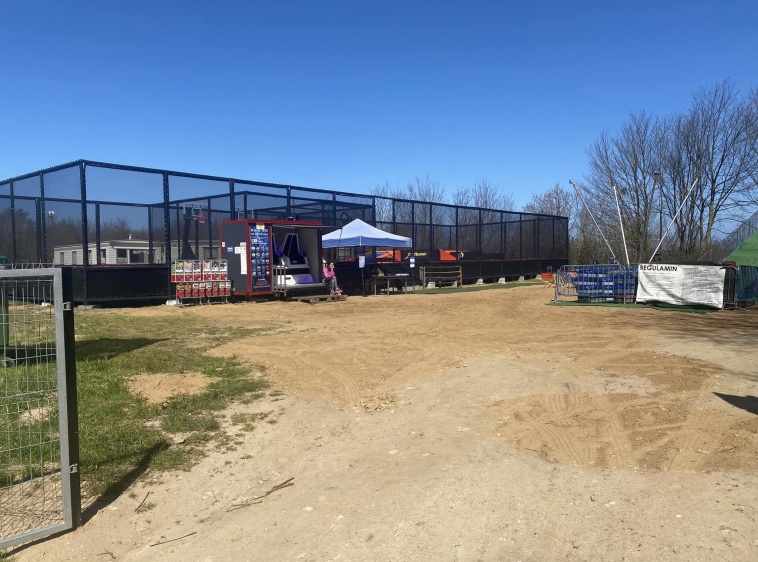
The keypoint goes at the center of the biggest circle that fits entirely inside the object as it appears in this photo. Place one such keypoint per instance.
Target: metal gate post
(69, 420)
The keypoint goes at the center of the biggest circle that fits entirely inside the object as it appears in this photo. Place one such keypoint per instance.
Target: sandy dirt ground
(464, 427)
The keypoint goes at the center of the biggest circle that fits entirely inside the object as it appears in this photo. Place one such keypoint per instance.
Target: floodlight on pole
(51, 216)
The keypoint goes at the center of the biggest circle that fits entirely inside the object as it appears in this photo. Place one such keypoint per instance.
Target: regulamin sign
(681, 285)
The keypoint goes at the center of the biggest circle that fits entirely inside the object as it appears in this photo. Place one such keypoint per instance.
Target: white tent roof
(359, 233)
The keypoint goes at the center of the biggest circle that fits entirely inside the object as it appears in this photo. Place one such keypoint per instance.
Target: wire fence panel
(596, 283)
(39, 485)
(66, 215)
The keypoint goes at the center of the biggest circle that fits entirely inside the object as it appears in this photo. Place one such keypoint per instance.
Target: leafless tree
(483, 194)
(585, 243)
(481, 202)
(628, 161)
(715, 143)
(654, 161)
(555, 201)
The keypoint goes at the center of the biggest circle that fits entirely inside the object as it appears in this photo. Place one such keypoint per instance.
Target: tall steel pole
(657, 176)
(593, 219)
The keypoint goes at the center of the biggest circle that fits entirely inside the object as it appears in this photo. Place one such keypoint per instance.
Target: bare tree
(628, 161)
(715, 143)
(555, 201)
(482, 202)
(585, 243)
(484, 194)
(383, 202)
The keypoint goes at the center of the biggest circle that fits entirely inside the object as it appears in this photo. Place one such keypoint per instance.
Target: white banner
(681, 285)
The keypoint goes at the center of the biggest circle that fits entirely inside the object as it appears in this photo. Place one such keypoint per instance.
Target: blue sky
(348, 95)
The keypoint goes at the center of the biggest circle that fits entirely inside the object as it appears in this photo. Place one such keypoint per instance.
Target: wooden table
(377, 279)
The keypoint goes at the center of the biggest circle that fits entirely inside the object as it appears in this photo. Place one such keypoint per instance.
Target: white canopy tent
(359, 233)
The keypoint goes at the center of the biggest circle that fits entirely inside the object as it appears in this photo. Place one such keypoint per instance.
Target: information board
(260, 256)
(681, 285)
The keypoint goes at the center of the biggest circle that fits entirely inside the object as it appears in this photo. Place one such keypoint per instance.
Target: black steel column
(232, 202)
(97, 233)
(289, 203)
(457, 250)
(210, 230)
(167, 229)
(334, 209)
(394, 218)
(43, 213)
(13, 226)
(72, 403)
(150, 249)
(502, 236)
(521, 244)
(37, 229)
(479, 235)
(85, 236)
(413, 224)
(431, 231)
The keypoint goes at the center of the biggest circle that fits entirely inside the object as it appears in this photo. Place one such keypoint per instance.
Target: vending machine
(268, 256)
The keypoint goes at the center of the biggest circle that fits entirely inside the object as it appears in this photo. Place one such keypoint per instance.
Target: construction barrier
(596, 283)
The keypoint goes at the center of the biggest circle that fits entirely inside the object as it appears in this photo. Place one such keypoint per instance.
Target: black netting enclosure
(120, 226)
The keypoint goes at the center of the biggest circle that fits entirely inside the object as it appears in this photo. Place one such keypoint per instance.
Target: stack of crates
(594, 284)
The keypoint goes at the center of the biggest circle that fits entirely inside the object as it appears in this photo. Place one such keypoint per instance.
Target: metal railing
(441, 276)
(39, 477)
(596, 283)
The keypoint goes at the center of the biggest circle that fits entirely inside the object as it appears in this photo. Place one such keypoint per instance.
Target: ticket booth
(266, 257)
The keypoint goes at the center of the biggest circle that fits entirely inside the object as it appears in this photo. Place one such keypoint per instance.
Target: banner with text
(681, 284)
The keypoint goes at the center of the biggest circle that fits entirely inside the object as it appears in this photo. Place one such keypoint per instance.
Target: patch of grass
(247, 421)
(183, 422)
(177, 458)
(122, 435)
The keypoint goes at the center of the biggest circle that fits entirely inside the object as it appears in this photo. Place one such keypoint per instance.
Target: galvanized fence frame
(39, 458)
(597, 283)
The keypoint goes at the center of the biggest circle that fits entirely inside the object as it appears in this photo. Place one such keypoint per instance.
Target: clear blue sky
(346, 95)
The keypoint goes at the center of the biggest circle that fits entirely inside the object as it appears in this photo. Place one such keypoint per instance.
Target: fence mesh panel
(31, 491)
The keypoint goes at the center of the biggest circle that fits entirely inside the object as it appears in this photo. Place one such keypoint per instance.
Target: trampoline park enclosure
(120, 227)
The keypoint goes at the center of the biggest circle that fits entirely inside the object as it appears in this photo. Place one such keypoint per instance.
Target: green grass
(658, 307)
(122, 435)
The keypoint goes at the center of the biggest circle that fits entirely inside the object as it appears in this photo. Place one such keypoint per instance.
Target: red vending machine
(268, 256)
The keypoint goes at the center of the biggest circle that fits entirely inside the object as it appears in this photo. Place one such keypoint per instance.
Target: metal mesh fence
(65, 215)
(747, 285)
(740, 234)
(33, 493)
(596, 283)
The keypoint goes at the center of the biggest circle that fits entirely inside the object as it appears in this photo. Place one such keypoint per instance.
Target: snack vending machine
(201, 280)
(259, 253)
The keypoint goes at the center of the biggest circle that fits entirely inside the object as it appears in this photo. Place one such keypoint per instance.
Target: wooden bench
(316, 299)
